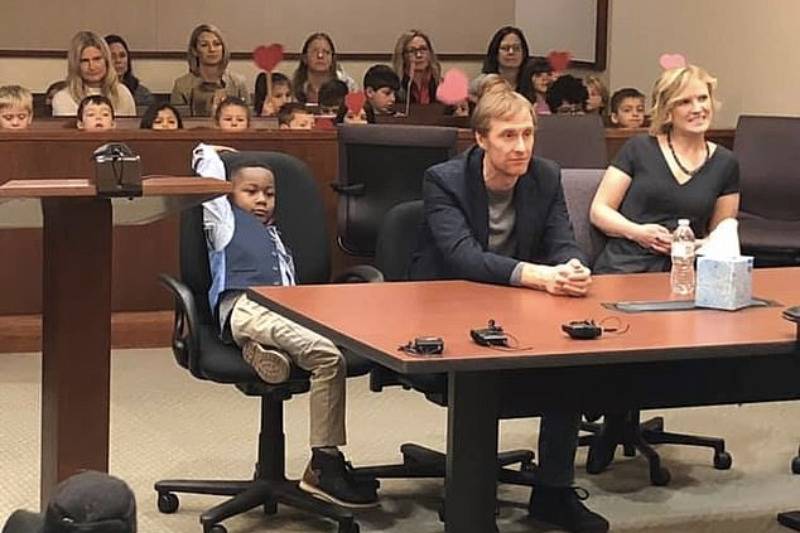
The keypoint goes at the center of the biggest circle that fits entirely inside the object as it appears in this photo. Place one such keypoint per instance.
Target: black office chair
(572, 141)
(768, 150)
(396, 242)
(580, 186)
(381, 166)
(197, 347)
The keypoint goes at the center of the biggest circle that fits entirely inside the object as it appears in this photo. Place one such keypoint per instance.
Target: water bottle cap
(683, 221)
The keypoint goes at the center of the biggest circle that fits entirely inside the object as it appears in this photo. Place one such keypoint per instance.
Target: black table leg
(471, 483)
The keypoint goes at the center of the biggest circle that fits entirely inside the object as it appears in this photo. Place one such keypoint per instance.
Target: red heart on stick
(559, 60)
(268, 57)
(454, 88)
(355, 101)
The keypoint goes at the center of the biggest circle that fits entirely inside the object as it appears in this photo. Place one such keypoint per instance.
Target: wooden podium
(76, 309)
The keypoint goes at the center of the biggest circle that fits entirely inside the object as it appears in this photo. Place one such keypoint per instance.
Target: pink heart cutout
(268, 57)
(559, 60)
(668, 61)
(355, 101)
(454, 88)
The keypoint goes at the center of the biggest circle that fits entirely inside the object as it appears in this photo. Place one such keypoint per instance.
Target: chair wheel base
(723, 461)
(796, 465)
(168, 503)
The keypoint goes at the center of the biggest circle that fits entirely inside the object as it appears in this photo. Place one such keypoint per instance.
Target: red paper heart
(559, 60)
(268, 57)
(668, 61)
(355, 101)
(454, 88)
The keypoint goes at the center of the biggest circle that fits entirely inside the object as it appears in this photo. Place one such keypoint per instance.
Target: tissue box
(724, 283)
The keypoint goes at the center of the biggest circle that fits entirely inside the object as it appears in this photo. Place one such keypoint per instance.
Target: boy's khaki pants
(309, 351)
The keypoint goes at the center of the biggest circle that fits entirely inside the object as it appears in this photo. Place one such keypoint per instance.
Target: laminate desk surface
(374, 319)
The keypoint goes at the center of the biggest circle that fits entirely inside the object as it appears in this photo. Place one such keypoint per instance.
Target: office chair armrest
(185, 332)
(360, 274)
(357, 189)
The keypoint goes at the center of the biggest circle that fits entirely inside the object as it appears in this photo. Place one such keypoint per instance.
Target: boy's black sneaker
(327, 478)
(563, 507)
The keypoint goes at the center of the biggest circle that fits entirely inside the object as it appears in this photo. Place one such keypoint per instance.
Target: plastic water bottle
(682, 274)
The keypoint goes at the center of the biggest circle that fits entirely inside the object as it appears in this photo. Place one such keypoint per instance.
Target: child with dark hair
(281, 94)
(536, 78)
(245, 248)
(161, 116)
(627, 108)
(232, 114)
(295, 116)
(331, 96)
(380, 87)
(96, 113)
(567, 96)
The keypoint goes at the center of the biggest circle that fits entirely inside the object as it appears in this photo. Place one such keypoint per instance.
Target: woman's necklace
(678, 161)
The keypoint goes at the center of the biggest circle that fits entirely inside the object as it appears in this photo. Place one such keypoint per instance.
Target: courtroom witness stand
(536, 79)
(507, 55)
(90, 72)
(626, 110)
(502, 188)
(16, 107)
(415, 63)
(208, 81)
(123, 66)
(232, 114)
(317, 65)
(95, 113)
(657, 178)
(295, 116)
(265, 105)
(161, 117)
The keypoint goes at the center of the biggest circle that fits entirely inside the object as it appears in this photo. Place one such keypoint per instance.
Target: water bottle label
(682, 249)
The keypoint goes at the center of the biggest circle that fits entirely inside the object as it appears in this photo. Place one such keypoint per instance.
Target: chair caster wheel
(723, 461)
(167, 503)
(216, 528)
(660, 477)
(351, 527)
(796, 465)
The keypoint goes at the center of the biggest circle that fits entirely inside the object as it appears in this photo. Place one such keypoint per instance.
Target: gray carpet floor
(164, 424)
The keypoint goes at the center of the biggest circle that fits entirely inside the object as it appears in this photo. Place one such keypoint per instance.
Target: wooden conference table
(77, 225)
(665, 359)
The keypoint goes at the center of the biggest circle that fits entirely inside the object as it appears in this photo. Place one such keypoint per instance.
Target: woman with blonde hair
(208, 81)
(90, 72)
(671, 173)
(416, 65)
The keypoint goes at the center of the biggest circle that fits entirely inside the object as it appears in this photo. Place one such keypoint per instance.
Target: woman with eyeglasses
(507, 55)
(416, 65)
(318, 66)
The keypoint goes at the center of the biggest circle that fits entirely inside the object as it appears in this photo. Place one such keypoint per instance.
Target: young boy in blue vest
(245, 249)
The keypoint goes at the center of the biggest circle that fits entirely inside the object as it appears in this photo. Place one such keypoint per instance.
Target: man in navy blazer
(497, 215)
